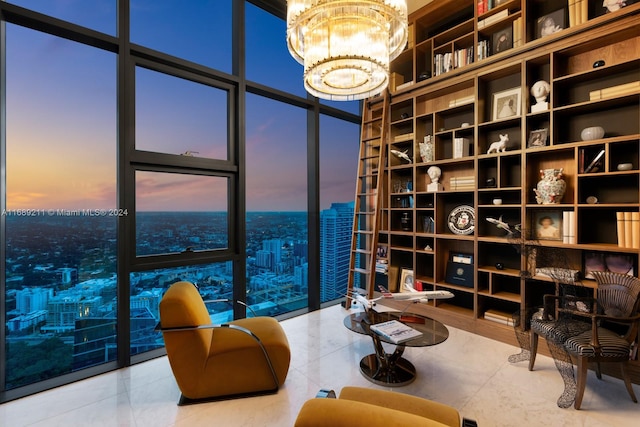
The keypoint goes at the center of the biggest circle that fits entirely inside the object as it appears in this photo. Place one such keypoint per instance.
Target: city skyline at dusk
(68, 161)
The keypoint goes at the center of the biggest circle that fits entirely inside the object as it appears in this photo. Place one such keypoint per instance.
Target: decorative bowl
(625, 166)
(591, 133)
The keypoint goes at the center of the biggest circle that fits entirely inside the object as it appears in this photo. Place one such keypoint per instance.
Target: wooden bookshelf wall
(460, 104)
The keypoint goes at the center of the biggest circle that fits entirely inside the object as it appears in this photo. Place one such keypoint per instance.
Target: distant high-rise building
(32, 299)
(335, 246)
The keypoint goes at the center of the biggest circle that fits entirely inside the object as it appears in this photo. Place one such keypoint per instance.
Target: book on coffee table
(395, 331)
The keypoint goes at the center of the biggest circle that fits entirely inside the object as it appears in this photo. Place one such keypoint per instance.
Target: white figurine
(613, 5)
(499, 146)
(540, 90)
(434, 173)
(402, 155)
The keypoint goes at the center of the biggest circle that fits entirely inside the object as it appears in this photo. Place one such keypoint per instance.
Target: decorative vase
(551, 187)
(591, 133)
(426, 149)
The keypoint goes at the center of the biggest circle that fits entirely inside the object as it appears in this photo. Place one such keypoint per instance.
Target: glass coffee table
(391, 369)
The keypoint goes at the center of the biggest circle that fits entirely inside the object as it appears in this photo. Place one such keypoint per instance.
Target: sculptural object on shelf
(434, 173)
(540, 91)
(614, 5)
(551, 186)
(402, 155)
(426, 149)
(499, 146)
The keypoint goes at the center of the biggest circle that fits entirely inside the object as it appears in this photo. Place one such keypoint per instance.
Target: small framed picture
(547, 225)
(502, 40)
(601, 261)
(506, 103)
(538, 138)
(406, 280)
(551, 23)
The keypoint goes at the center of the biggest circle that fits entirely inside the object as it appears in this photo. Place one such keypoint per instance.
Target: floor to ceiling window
(277, 240)
(60, 217)
(134, 164)
(338, 173)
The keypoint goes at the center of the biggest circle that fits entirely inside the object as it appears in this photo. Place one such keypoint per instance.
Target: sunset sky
(62, 114)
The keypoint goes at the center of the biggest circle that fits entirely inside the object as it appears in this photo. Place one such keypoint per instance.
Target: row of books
(619, 90)
(568, 227)
(462, 183)
(483, 49)
(628, 228)
(461, 147)
(578, 12)
(518, 36)
(445, 62)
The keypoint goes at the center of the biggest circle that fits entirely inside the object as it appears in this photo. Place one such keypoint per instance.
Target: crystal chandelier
(346, 45)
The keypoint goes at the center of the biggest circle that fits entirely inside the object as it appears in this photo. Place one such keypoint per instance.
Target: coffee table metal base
(397, 373)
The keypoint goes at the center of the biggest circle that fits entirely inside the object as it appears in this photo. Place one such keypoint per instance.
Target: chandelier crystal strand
(346, 46)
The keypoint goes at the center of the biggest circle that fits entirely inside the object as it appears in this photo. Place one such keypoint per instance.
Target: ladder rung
(361, 270)
(363, 251)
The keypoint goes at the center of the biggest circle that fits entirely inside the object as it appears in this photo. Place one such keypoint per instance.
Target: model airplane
(413, 295)
(367, 304)
(503, 225)
(401, 154)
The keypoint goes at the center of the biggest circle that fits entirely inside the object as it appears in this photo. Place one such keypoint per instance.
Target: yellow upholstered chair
(243, 357)
(365, 407)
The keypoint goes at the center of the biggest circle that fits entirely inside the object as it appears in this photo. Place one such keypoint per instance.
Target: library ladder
(368, 200)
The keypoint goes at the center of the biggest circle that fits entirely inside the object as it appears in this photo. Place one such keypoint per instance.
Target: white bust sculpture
(540, 91)
(434, 173)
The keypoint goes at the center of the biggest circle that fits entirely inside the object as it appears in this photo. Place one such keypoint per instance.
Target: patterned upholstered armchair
(597, 330)
(613, 331)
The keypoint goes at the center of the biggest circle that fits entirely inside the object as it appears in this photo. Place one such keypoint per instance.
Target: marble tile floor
(467, 371)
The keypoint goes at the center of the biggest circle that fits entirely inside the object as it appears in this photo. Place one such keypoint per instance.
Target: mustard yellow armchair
(365, 407)
(209, 362)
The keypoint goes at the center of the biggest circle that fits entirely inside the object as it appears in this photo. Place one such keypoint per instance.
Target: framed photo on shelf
(382, 252)
(547, 225)
(538, 138)
(406, 280)
(550, 23)
(506, 103)
(601, 261)
(502, 40)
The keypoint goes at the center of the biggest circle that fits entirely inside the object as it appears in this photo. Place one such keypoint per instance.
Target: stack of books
(462, 183)
(403, 137)
(382, 267)
(482, 49)
(578, 12)
(619, 90)
(499, 317)
(628, 227)
(462, 101)
(395, 331)
(493, 19)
